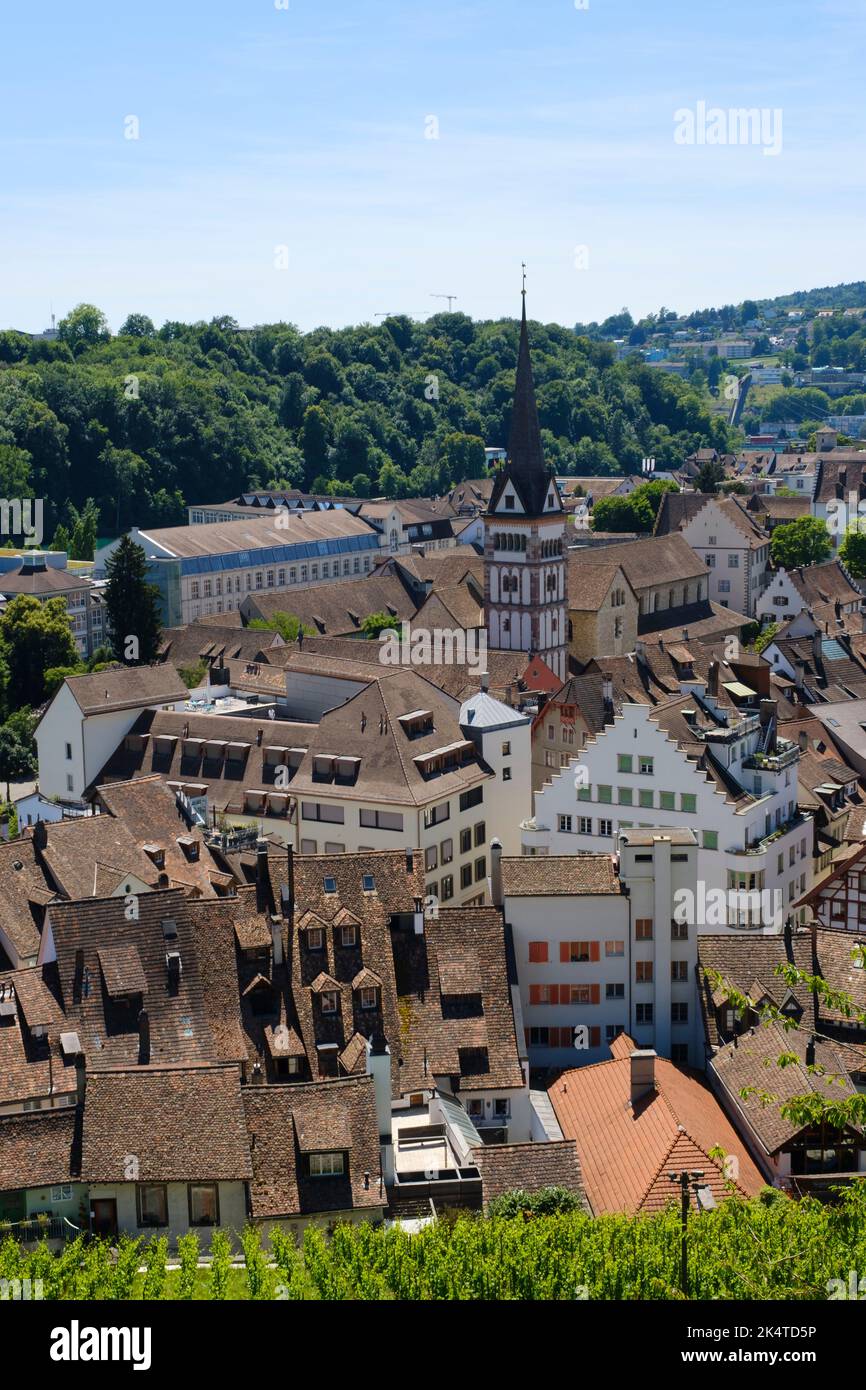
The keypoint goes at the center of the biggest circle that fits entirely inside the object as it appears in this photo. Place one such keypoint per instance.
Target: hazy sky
(306, 128)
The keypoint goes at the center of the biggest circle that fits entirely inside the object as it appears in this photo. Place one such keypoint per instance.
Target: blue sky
(304, 127)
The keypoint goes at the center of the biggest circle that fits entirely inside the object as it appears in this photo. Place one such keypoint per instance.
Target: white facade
(736, 570)
(74, 747)
(232, 1209)
(780, 600)
(760, 844)
(593, 965)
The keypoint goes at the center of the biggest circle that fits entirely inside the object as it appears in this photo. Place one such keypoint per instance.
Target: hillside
(146, 422)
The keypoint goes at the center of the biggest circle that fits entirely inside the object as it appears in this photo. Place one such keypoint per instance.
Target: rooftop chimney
(713, 680)
(607, 689)
(418, 917)
(277, 940)
(496, 872)
(40, 835)
(262, 882)
(643, 1073)
(485, 680)
(143, 1038)
(410, 861)
(803, 740)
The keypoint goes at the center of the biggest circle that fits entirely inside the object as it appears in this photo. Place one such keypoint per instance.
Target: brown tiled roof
(125, 687)
(645, 563)
(461, 604)
(24, 891)
(823, 584)
(591, 580)
(753, 1060)
(552, 875)
(36, 1149)
(625, 1149)
(335, 1115)
(108, 1028)
(26, 580)
(187, 646)
(528, 1168)
(182, 1124)
(677, 509)
(148, 810)
(25, 1069)
(91, 854)
(336, 609)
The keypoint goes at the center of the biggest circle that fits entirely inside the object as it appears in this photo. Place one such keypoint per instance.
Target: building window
(605, 827)
(584, 825)
(466, 876)
(204, 1206)
(152, 1204)
(625, 796)
(471, 798)
(643, 972)
(446, 851)
(368, 998)
(667, 801)
(348, 936)
(314, 938)
(480, 833)
(643, 1013)
(538, 953)
(688, 803)
(69, 752)
(564, 824)
(616, 991)
(643, 929)
(329, 1001)
(679, 931)
(506, 750)
(506, 774)
(645, 798)
(680, 1054)
(380, 820)
(480, 869)
(612, 949)
(733, 562)
(605, 795)
(447, 888)
(327, 1165)
(465, 841)
(680, 971)
(431, 859)
(679, 1013)
(710, 839)
(645, 766)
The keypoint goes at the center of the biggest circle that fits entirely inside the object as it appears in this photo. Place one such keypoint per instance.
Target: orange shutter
(595, 994)
(534, 991)
(554, 994)
(595, 1037)
(564, 951)
(593, 950)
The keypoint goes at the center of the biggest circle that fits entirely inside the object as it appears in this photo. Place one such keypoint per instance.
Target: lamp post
(687, 1178)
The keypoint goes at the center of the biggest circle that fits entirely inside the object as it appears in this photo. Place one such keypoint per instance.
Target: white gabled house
(691, 763)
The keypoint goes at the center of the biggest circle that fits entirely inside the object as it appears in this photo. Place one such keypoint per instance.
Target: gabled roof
(560, 875)
(625, 1149)
(181, 1124)
(126, 687)
(528, 1168)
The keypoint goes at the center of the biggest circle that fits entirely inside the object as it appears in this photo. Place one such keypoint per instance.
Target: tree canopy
(805, 541)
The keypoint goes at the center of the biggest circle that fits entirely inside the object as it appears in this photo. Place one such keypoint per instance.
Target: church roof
(525, 469)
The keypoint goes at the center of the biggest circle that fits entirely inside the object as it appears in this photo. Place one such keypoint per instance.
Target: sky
(325, 161)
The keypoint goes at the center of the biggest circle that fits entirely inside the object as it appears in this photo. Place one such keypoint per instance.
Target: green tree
(709, 476)
(132, 605)
(852, 551)
(286, 624)
(83, 540)
(83, 326)
(35, 636)
(805, 541)
(375, 623)
(138, 326)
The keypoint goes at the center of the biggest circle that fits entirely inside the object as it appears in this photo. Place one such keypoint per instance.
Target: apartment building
(211, 567)
(599, 950)
(691, 762)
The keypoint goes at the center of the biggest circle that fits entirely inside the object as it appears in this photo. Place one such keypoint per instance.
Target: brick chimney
(496, 872)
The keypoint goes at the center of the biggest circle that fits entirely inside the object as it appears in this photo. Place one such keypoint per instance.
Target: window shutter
(595, 994)
(534, 992)
(593, 950)
(564, 951)
(554, 994)
(595, 1036)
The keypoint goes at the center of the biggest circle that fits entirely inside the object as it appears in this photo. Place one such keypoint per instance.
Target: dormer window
(315, 939)
(327, 1165)
(369, 998)
(329, 1001)
(348, 936)
(330, 885)
(368, 883)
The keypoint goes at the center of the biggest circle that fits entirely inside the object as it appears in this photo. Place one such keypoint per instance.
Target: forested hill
(147, 421)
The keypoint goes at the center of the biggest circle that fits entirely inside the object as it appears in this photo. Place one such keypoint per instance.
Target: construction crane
(449, 297)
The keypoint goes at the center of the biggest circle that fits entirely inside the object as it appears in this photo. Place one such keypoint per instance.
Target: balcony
(773, 762)
(764, 844)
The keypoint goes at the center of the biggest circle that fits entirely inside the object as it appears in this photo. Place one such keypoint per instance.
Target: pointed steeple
(525, 453)
(525, 467)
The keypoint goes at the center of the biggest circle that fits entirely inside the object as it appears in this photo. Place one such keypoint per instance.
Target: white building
(598, 951)
(735, 551)
(90, 715)
(210, 568)
(691, 763)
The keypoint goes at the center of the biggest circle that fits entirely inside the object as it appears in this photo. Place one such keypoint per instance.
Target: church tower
(525, 593)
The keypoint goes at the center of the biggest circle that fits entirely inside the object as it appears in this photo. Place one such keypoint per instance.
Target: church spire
(525, 453)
